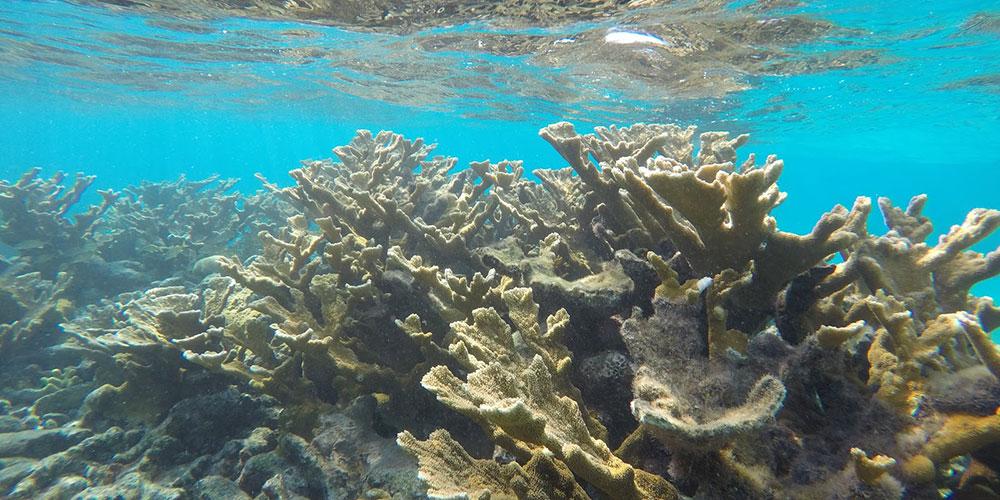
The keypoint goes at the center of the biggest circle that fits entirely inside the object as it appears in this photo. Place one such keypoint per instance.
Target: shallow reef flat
(632, 326)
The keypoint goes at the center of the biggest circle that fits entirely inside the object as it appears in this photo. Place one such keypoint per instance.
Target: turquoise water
(164, 352)
(909, 104)
(115, 92)
(76, 94)
(133, 96)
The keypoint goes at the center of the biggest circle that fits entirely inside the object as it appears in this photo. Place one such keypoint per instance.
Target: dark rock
(38, 443)
(795, 301)
(10, 424)
(12, 471)
(354, 459)
(114, 278)
(165, 450)
(260, 440)
(67, 487)
(286, 486)
(989, 316)
(593, 297)
(675, 333)
(216, 488)
(604, 368)
(606, 382)
(974, 391)
(290, 471)
(132, 485)
(642, 275)
(259, 469)
(10, 309)
(103, 447)
(768, 347)
(64, 400)
(227, 461)
(203, 424)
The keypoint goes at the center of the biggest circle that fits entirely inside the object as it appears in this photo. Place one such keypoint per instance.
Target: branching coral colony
(632, 326)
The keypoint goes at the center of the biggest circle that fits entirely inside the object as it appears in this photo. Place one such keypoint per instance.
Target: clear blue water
(130, 95)
(130, 368)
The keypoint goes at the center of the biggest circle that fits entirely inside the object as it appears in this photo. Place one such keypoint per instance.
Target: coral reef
(165, 226)
(36, 221)
(634, 325)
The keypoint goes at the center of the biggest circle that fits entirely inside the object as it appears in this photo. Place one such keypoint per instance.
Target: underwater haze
(605, 249)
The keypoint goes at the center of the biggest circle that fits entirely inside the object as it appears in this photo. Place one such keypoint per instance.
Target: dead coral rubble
(635, 325)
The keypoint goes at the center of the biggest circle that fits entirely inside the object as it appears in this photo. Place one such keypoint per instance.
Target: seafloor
(631, 326)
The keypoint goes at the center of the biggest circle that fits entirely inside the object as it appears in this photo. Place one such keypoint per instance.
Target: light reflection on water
(706, 52)
(859, 98)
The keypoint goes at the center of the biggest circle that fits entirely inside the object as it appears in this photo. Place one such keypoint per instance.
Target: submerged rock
(217, 488)
(39, 443)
